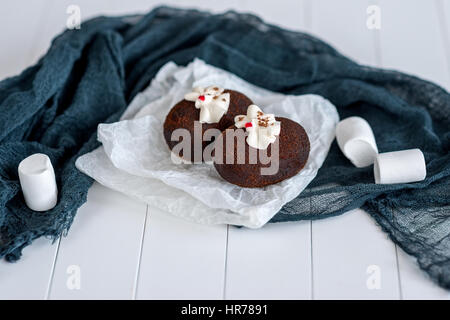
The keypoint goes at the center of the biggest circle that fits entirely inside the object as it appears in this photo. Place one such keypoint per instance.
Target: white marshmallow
(400, 167)
(37, 179)
(356, 140)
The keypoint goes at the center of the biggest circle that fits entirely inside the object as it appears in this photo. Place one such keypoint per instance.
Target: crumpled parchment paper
(135, 159)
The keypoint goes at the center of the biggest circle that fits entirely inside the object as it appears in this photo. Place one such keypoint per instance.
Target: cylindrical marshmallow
(356, 140)
(37, 179)
(400, 167)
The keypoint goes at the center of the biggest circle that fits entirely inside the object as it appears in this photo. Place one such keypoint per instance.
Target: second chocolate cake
(283, 143)
(207, 108)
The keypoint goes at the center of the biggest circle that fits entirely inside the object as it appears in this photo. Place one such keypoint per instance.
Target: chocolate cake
(185, 113)
(293, 150)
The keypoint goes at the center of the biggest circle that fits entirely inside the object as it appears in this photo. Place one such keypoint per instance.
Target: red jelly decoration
(202, 98)
(248, 125)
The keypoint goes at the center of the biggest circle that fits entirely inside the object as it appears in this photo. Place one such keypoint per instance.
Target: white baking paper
(135, 159)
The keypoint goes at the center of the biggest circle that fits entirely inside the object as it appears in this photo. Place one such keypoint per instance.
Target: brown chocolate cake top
(293, 151)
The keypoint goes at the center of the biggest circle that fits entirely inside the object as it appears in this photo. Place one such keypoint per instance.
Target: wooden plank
(56, 14)
(343, 25)
(443, 10)
(345, 247)
(102, 249)
(29, 277)
(181, 260)
(20, 23)
(273, 262)
(413, 42)
(353, 259)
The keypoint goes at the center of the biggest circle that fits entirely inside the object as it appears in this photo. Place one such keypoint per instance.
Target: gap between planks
(141, 247)
(52, 270)
(225, 266)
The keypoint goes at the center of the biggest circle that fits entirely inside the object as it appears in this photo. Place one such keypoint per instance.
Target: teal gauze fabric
(89, 75)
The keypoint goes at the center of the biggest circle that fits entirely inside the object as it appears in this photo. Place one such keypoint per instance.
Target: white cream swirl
(262, 128)
(211, 101)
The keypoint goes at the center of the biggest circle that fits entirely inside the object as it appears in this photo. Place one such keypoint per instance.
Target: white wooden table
(119, 248)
